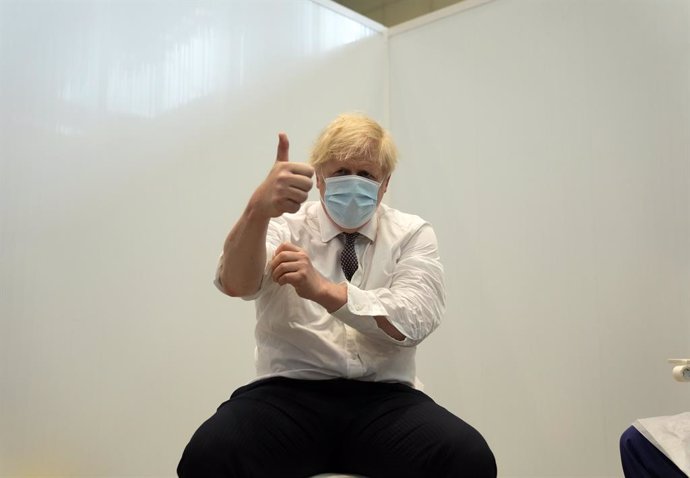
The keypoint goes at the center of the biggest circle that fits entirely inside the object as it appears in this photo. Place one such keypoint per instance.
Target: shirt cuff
(359, 312)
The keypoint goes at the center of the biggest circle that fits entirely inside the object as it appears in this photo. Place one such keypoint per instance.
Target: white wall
(549, 138)
(551, 141)
(132, 136)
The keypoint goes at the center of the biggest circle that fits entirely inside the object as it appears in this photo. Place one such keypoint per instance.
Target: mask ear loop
(385, 182)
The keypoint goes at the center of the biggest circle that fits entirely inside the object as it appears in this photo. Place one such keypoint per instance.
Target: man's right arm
(244, 253)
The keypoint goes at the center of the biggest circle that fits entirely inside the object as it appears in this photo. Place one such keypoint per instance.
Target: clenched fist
(287, 185)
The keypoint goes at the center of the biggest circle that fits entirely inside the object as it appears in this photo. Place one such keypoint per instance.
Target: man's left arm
(404, 313)
(412, 307)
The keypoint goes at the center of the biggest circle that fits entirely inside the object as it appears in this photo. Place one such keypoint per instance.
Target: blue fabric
(641, 459)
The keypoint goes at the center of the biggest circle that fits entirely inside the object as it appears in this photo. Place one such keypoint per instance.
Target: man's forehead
(353, 163)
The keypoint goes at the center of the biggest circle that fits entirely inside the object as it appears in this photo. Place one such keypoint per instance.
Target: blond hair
(355, 136)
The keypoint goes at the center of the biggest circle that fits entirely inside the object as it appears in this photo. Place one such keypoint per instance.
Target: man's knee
(208, 455)
(484, 462)
(473, 457)
(480, 461)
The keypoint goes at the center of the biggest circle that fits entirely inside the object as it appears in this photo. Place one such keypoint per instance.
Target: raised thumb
(283, 147)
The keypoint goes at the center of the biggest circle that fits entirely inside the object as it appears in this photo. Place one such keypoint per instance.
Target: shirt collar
(329, 230)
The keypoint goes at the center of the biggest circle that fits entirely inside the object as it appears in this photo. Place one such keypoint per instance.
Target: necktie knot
(348, 257)
(350, 237)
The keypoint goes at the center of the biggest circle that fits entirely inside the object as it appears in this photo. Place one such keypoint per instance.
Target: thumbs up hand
(287, 185)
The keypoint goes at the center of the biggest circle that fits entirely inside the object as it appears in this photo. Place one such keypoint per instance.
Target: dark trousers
(286, 428)
(641, 459)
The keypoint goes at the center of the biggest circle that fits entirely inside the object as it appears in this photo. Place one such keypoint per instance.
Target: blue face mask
(351, 200)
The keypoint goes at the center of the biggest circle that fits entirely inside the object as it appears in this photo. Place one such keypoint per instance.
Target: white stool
(335, 475)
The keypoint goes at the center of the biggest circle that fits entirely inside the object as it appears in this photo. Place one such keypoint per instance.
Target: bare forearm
(244, 254)
(389, 328)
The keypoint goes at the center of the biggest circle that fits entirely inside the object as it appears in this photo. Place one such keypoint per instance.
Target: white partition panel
(131, 135)
(548, 143)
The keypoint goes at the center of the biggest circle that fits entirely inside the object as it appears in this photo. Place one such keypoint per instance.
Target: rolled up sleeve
(415, 301)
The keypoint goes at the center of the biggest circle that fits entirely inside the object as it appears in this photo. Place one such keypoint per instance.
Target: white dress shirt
(400, 277)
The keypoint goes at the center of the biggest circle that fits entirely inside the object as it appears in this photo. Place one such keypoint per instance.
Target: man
(345, 288)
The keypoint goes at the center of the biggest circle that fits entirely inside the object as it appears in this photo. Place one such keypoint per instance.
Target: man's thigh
(406, 434)
(262, 431)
